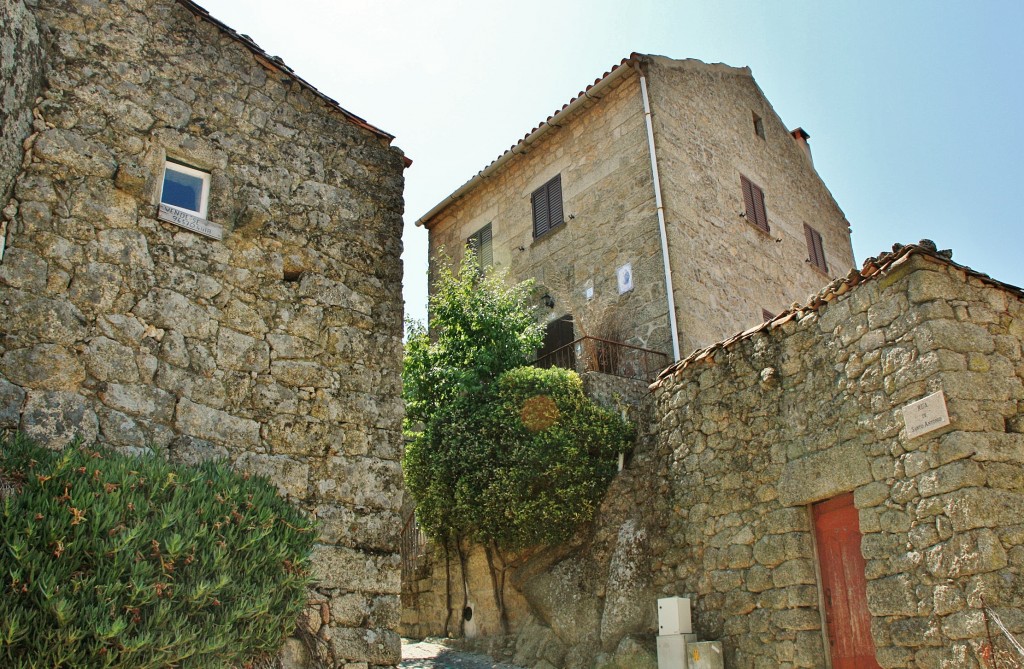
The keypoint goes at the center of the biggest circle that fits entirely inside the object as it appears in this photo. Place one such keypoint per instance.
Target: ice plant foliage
(109, 560)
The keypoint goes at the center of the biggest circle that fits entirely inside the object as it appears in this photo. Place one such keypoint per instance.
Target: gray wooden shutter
(547, 206)
(486, 252)
(540, 212)
(556, 217)
(480, 242)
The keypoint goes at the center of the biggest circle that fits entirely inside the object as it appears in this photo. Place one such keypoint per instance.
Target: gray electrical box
(704, 655)
(672, 650)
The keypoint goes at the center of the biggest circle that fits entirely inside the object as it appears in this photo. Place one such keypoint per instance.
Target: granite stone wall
(20, 77)
(812, 408)
(743, 437)
(277, 348)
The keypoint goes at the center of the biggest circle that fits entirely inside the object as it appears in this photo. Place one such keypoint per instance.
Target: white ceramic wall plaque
(925, 415)
(183, 219)
(625, 275)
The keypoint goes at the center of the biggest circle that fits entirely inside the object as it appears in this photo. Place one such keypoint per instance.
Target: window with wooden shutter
(815, 250)
(480, 242)
(547, 207)
(753, 200)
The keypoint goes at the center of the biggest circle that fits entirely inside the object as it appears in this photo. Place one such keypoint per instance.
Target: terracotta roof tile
(871, 268)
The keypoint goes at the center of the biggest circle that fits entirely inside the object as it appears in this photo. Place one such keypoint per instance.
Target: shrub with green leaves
(480, 327)
(525, 464)
(108, 560)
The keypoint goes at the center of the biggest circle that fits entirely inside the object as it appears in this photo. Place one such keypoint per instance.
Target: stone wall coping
(872, 267)
(277, 64)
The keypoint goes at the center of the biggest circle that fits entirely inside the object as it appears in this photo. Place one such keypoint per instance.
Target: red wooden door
(844, 586)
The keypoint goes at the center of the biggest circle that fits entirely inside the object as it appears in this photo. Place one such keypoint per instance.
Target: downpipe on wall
(669, 290)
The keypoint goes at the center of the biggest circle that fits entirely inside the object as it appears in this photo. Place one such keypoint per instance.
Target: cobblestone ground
(434, 654)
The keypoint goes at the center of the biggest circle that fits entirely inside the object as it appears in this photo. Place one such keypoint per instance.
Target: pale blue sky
(913, 107)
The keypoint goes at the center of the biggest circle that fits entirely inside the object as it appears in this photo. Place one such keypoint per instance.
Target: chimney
(801, 137)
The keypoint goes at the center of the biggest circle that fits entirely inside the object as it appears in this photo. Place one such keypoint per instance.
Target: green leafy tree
(509, 455)
(480, 326)
(525, 464)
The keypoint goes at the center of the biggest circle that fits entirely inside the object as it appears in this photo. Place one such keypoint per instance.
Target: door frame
(850, 504)
(826, 645)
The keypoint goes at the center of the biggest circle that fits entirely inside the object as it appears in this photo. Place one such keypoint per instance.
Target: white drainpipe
(661, 217)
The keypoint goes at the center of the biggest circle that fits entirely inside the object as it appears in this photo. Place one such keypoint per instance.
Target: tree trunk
(498, 584)
(465, 587)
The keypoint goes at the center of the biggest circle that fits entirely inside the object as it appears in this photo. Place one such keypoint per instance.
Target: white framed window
(185, 188)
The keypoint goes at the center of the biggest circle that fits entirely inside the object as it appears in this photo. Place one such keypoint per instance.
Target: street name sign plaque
(925, 415)
(183, 219)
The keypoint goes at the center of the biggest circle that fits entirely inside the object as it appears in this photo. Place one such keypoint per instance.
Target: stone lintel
(823, 475)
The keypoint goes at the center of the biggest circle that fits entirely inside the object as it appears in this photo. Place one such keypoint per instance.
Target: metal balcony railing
(590, 354)
(413, 548)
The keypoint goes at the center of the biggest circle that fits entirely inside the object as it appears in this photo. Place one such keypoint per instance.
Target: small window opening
(758, 126)
(467, 613)
(185, 188)
(293, 274)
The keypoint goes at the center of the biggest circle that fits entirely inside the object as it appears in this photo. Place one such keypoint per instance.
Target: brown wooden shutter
(767, 315)
(808, 235)
(753, 201)
(759, 210)
(748, 198)
(815, 249)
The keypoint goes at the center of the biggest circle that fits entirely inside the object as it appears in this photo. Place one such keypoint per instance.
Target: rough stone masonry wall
(811, 410)
(20, 75)
(277, 348)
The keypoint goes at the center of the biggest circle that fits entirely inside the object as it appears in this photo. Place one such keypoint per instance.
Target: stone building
(821, 408)
(202, 260)
(775, 456)
(662, 173)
